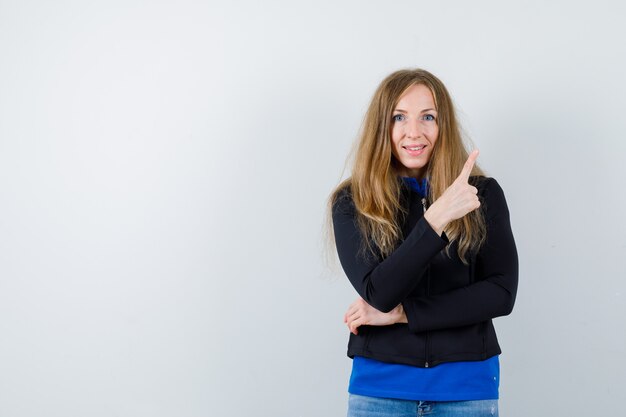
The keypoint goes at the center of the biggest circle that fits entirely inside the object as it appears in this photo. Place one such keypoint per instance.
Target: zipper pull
(424, 204)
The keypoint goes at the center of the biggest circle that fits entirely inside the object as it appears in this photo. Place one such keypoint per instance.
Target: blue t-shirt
(450, 381)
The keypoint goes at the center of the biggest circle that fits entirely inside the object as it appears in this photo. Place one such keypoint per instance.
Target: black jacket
(449, 305)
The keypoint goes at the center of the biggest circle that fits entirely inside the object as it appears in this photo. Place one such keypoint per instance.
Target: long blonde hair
(374, 185)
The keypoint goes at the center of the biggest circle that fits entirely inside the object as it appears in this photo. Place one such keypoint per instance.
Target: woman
(425, 239)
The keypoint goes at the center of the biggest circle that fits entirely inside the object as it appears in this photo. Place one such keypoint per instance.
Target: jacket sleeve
(383, 283)
(496, 275)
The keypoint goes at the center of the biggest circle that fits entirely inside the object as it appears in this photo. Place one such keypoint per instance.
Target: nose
(413, 129)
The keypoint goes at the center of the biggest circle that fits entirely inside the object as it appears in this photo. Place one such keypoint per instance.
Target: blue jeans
(362, 406)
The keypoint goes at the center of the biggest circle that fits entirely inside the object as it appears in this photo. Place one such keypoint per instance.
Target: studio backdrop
(164, 173)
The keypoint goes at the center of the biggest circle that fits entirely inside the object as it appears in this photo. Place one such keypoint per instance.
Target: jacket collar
(419, 186)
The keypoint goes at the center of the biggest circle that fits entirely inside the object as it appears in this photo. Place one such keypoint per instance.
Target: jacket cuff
(431, 234)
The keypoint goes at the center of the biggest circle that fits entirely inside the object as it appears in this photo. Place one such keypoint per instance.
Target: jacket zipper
(426, 357)
(427, 293)
(426, 349)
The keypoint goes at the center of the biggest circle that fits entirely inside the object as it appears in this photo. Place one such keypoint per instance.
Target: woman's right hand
(459, 199)
(360, 313)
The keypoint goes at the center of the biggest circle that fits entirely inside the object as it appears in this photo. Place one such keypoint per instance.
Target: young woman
(425, 239)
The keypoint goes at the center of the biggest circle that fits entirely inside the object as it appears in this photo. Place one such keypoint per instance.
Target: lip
(415, 153)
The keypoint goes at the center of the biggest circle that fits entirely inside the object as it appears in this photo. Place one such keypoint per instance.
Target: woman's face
(414, 131)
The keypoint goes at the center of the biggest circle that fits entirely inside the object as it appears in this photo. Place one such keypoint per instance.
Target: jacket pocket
(396, 341)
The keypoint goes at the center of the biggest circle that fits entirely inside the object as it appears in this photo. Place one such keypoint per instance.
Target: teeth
(416, 148)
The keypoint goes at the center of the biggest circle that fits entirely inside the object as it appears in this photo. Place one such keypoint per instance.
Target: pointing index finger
(469, 165)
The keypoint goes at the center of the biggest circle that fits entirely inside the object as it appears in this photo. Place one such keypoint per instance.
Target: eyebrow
(404, 111)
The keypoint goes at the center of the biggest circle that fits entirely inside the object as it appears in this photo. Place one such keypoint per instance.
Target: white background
(164, 168)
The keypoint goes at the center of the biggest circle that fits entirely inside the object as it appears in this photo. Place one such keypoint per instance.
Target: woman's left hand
(360, 313)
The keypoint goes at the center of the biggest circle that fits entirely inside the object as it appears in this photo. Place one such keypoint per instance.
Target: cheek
(433, 133)
(395, 136)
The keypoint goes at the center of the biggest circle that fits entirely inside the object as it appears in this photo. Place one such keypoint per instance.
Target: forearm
(473, 304)
(384, 284)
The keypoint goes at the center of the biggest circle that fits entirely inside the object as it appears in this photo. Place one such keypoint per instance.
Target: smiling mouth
(414, 148)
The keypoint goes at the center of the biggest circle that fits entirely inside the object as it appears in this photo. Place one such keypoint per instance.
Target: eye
(398, 117)
(429, 117)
